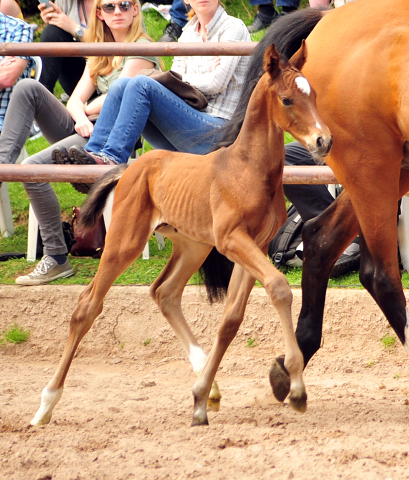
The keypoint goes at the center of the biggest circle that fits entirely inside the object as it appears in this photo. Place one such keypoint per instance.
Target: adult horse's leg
(246, 253)
(379, 273)
(187, 257)
(325, 237)
(122, 247)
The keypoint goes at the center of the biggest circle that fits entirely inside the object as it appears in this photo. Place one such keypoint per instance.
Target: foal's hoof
(213, 404)
(279, 379)
(299, 404)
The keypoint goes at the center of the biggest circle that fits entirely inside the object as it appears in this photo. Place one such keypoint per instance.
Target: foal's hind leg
(122, 247)
(187, 257)
(325, 238)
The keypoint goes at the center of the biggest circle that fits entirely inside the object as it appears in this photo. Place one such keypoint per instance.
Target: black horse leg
(325, 238)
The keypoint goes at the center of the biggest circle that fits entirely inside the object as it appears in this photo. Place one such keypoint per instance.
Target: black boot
(264, 18)
(171, 33)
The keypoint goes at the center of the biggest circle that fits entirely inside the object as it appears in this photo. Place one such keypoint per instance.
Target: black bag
(284, 245)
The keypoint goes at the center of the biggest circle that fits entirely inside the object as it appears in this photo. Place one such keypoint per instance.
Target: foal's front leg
(240, 286)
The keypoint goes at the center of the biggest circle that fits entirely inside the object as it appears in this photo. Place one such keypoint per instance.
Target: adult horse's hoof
(299, 404)
(279, 379)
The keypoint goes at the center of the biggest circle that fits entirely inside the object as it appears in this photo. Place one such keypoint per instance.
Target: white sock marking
(303, 85)
(49, 400)
(197, 358)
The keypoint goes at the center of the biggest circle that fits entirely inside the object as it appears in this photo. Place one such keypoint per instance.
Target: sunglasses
(110, 7)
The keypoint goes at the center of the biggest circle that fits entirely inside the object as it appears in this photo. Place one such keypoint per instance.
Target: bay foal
(232, 199)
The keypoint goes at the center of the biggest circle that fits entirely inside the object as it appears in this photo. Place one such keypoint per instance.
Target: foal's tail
(94, 205)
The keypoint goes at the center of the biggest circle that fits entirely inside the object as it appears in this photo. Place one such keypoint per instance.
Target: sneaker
(171, 33)
(60, 156)
(46, 271)
(259, 23)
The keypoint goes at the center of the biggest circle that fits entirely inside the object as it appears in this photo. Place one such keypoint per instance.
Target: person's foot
(46, 271)
(60, 156)
(80, 156)
(260, 22)
(348, 261)
(171, 33)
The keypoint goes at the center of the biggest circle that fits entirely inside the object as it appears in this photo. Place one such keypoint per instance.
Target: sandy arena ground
(126, 409)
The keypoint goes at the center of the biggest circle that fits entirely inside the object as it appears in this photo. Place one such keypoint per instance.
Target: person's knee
(52, 33)
(27, 87)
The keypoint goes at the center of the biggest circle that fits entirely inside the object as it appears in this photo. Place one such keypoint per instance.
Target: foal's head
(294, 101)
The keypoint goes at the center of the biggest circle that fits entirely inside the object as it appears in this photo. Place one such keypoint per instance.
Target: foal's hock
(231, 199)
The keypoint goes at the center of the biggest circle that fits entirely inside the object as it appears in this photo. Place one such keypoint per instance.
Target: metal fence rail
(310, 175)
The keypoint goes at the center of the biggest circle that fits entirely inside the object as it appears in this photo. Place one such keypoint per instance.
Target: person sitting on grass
(111, 21)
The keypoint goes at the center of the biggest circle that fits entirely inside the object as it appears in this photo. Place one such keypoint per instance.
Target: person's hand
(55, 16)
(6, 61)
(84, 128)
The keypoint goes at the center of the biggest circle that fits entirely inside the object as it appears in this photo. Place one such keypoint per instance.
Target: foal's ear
(299, 58)
(272, 61)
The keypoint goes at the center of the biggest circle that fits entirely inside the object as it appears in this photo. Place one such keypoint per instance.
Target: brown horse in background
(358, 63)
(232, 199)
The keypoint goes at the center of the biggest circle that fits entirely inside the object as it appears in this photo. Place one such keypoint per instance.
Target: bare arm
(76, 104)
(10, 7)
(10, 70)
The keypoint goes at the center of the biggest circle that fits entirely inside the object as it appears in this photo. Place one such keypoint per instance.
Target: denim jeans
(178, 12)
(142, 106)
(279, 3)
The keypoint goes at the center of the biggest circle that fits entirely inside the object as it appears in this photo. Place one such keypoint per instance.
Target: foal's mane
(286, 34)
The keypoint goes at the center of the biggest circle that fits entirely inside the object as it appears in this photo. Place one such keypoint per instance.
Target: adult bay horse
(232, 199)
(358, 63)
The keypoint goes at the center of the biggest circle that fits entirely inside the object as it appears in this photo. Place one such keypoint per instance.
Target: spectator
(178, 20)
(143, 106)
(66, 21)
(267, 13)
(109, 21)
(12, 69)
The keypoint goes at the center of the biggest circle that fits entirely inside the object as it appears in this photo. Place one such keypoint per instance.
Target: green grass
(388, 341)
(15, 334)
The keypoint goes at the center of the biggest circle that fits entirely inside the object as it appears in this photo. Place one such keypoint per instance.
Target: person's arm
(132, 67)
(10, 7)
(10, 70)
(55, 16)
(76, 104)
(215, 81)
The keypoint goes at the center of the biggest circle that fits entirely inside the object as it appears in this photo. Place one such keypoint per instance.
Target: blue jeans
(142, 106)
(178, 12)
(279, 3)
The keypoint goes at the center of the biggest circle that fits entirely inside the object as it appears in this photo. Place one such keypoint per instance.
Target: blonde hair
(98, 32)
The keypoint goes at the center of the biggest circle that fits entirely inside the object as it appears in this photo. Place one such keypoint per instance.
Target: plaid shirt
(13, 30)
(221, 85)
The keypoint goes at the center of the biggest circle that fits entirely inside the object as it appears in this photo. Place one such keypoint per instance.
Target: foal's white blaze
(406, 344)
(49, 400)
(197, 358)
(303, 85)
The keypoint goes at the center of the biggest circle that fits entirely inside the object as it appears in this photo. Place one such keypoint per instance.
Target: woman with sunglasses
(141, 106)
(111, 21)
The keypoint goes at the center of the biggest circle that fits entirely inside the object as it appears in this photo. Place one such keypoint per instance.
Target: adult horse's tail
(94, 205)
(287, 34)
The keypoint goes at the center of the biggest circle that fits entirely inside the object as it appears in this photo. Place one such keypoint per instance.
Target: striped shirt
(221, 85)
(13, 30)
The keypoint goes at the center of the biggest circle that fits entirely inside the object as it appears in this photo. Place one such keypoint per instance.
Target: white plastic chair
(6, 216)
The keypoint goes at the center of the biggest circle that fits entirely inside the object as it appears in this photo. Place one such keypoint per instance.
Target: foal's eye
(286, 102)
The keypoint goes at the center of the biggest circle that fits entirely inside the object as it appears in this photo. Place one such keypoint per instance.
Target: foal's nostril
(324, 144)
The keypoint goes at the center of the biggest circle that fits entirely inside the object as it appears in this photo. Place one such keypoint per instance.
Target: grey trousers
(31, 101)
